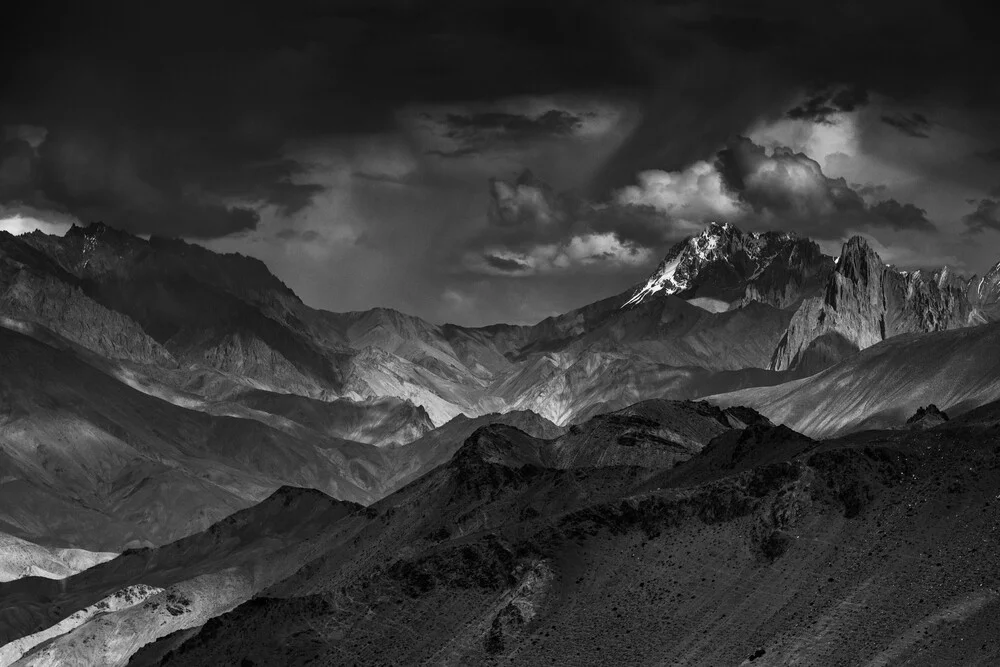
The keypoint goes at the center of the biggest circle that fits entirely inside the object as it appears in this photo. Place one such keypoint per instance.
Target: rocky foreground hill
(763, 546)
(207, 573)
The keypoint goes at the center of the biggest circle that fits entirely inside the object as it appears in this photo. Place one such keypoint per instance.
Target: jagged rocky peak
(984, 292)
(99, 252)
(928, 417)
(859, 262)
(931, 411)
(718, 263)
(98, 230)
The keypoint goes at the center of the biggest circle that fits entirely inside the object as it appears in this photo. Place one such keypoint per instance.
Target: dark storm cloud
(902, 216)
(790, 190)
(986, 216)
(526, 204)
(483, 131)
(466, 151)
(748, 185)
(775, 49)
(526, 212)
(92, 180)
(305, 235)
(992, 155)
(554, 122)
(177, 119)
(505, 264)
(914, 124)
(199, 106)
(198, 99)
(18, 167)
(820, 106)
(870, 189)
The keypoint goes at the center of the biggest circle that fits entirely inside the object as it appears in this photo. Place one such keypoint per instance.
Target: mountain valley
(197, 468)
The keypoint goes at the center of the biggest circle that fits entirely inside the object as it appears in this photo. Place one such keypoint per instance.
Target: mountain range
(182, 439)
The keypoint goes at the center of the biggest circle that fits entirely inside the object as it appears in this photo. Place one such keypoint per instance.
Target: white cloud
(817, 140)
(696, 194)
(596, 252)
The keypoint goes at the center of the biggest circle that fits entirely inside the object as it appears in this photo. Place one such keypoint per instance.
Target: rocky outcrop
(125, 598)
(984, 293)
(651, 434)
(853, 307)
(865, 302)
(33, 290)
(797, 271)
(928, 417)
(928, 301)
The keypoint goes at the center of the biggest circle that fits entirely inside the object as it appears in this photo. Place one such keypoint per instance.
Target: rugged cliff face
(850, 312)
(929, 301)
(794, 273)
(984, 293)
(866, 302)
(724, 266)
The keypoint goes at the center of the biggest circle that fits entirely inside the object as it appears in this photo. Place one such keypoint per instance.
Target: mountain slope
(382, 421)
(221, 326)
(765, 548)
(485, 480)
(21, 558)
(190, 580)
(90, 462)
(884, 384)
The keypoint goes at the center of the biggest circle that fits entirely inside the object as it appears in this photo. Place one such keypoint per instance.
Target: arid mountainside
(723, 306)
(221, 327)
(288, 485)
(187, 582)
(872, 549)
(380, 421)
(221, 566)
(885, 384)
(89, 462)
(21, 558)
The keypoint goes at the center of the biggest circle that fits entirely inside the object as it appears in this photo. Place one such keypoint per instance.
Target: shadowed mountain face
(762, 537)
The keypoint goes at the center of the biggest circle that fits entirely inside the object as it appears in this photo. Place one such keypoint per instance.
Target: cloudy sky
(475, 162)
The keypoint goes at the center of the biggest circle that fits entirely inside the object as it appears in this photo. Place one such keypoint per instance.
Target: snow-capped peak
(665, 280)
(719, 242)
